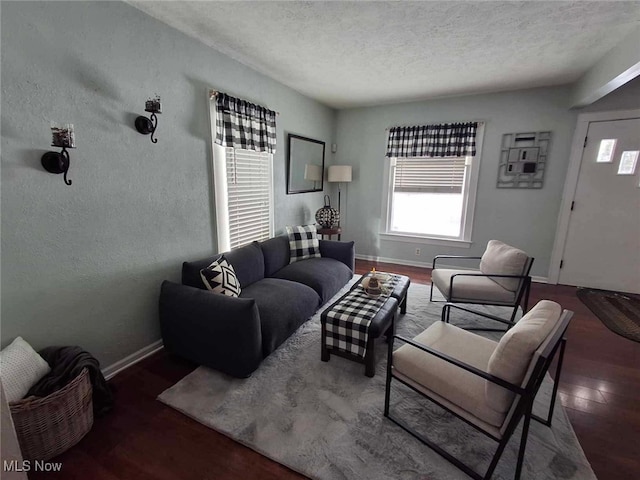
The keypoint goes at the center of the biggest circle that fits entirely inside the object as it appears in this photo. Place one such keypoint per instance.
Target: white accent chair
(502, 278)
(490, 385)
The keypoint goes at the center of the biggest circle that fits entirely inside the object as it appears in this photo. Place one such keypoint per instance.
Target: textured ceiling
(348, 54)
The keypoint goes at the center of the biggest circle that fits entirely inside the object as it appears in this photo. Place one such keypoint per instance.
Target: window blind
(431, 175)
(249, 196)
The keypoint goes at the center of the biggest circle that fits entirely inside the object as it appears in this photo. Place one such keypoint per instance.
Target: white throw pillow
(220, 277)
(20, 367)
(502, 259)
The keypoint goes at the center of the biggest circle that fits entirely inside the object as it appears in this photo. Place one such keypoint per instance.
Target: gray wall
(83, 264)
(525, 218)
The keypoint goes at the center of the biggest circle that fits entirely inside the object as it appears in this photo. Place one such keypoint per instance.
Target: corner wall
(83, 264)
(521, 217)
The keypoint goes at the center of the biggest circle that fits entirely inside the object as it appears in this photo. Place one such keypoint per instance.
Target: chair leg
(523, 440)
(387, 390)
(556, 380)
(431, 292)
(526, 297)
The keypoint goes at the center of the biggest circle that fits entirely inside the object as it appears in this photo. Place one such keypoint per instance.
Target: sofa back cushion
(276, 254)
(191, 271)
(502, 259)
(511, 358)
(247, 262)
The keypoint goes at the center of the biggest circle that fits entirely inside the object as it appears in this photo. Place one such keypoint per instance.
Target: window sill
(425, 240)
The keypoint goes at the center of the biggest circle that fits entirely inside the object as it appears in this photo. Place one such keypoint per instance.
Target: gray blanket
(66, 364)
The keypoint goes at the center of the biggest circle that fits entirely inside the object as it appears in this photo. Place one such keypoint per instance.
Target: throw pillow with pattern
(220, 277)
(303, 242)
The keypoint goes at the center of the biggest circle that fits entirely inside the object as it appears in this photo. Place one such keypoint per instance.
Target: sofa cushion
(458, 386)
(470, 288)
(303, 242)
(219, 277)
(502, 259)
(247, 262)
(514, 352)
(325, 275)
(276, 254)
(191, 272)
(283, 307)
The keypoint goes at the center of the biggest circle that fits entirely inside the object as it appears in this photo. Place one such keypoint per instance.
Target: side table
(330, 232)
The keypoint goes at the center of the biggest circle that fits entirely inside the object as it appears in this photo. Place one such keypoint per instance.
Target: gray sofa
(234, 334)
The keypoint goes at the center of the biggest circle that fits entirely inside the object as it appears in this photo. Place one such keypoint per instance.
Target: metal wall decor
(146, 125)
(523, 159)
(53, 162)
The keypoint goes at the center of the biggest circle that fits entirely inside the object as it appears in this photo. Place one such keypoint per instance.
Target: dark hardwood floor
(144, 439)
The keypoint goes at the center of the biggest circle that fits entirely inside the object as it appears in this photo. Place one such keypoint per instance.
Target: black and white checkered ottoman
(400, 289)
(346, 339)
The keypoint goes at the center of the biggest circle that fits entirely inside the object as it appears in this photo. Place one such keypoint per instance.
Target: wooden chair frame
(522, 292)
(525, 396)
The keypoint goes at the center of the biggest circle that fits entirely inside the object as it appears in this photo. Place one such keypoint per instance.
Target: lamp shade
(339, 173)
(313, 172)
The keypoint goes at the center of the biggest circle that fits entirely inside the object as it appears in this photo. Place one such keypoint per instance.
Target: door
(602, 249)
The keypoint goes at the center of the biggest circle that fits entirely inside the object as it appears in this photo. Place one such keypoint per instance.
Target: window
(244, 196)
(244, 140)
(431, 199)
(605, 151)
(628, 161)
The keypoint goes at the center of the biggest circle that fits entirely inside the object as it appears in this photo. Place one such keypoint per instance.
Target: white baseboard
(112, 370)
(411, 263)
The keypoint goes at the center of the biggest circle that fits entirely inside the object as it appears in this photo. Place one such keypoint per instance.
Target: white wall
(83, 264)
(524, 218)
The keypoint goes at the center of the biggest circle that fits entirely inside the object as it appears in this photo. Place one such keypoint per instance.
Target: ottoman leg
(403, 305)
(370, 358)
(324, 354)
(324, 351)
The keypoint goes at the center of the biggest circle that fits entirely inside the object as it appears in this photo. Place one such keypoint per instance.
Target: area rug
(325, 420)
(619, 312)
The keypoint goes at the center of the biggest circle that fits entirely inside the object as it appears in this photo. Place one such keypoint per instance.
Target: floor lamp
(340, 174)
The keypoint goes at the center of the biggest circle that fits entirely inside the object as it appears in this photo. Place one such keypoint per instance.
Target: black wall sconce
(146, 125)
(54, 162)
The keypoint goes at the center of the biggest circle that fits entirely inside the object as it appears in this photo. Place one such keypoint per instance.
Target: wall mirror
(305, 164)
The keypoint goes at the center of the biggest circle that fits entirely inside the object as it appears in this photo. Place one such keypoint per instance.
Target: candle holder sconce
(54, 162)
(146, 125)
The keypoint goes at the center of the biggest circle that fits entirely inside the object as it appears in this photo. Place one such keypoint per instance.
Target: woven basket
(50, 425)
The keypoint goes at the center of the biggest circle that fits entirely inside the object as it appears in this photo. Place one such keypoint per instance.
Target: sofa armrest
(211, 329)
(344, 252)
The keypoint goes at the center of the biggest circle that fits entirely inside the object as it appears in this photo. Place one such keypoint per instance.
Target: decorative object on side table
(146, 125)
(62, 136)
(328, 217)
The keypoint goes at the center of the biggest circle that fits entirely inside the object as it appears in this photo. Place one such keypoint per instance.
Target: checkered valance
(444, 140)
(240, 124)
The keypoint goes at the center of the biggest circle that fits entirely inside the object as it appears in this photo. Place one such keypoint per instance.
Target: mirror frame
(291, 137)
